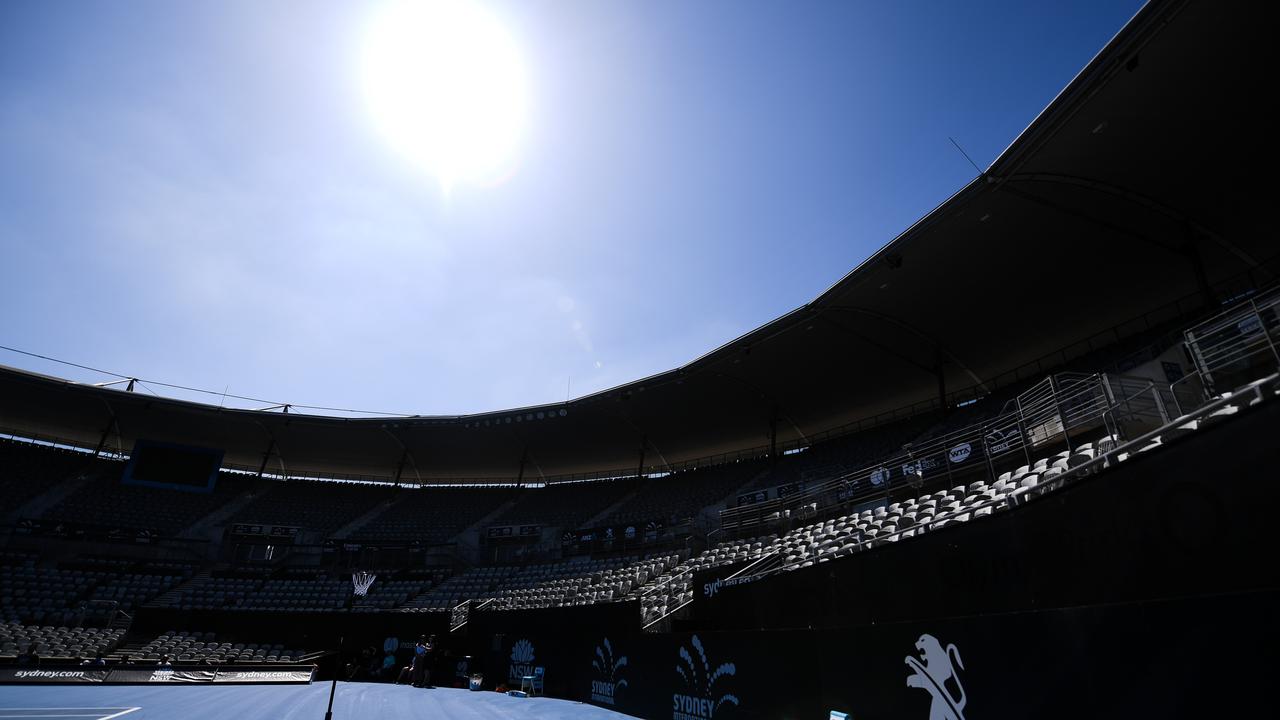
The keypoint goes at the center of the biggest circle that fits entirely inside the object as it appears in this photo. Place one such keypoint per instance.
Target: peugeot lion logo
(932, 671)
(702, 700)
(607, 682)
(521, 660)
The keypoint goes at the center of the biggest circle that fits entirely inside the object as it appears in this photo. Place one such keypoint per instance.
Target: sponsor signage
(752, 498)
(141, 536)
(145, 675)
(709, 583)
(935, 672)
(705, 685)
(609, 668)
(960, 453)
(502, 532)
(162, 675)
(265, 676)
(789, 489)
(52, 675)
(879, 476)
(629, 532)
(277, 531)
(522, 657)
(1003, 439)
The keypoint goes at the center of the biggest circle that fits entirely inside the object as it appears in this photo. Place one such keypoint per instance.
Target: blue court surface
(354, 701)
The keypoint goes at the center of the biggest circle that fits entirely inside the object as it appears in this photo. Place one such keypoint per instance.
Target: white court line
(96, 714)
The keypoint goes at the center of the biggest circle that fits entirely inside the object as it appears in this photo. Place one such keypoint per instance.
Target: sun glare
(446, 86)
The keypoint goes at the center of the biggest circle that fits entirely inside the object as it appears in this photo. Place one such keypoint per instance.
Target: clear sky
(203, 193)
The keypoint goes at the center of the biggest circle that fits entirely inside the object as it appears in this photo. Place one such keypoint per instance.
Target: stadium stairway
(54, 495)
(376, 512)
(211, 525)
(173, 598)
(599, 518)
(711, 513)
(470, 537)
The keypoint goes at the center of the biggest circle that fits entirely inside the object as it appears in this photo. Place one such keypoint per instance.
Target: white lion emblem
(933, 670)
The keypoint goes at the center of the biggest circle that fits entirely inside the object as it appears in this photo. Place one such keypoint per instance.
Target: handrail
(747, 570)
(1043, 404)
(667, 614)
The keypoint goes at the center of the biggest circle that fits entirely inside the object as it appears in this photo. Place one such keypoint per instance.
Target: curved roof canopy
(1127, 193)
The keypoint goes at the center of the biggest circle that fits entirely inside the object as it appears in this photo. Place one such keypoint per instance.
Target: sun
(446, 85)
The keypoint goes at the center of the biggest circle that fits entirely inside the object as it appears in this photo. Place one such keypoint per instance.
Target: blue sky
(196, 193)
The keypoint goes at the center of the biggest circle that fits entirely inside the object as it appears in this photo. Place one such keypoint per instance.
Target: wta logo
(703, 699)
(608, 668)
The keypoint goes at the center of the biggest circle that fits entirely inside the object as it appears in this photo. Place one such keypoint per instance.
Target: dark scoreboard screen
(179, 467)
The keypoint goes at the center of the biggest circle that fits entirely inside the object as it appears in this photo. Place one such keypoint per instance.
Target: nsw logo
(608, 674)
(702, 698)
(521, 661)
(935, 673)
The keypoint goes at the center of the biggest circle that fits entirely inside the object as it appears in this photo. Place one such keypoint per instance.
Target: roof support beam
(1140, 200)
(266, 456)
(904, 325)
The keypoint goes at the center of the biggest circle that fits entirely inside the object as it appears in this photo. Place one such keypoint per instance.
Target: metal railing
(1047, 413)
(1236, 343)
(1253, 393)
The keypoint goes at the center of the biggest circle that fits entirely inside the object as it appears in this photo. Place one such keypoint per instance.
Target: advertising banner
(523, 532)
(145, 675)
(266, 676)
(160, 675)
(20, 675)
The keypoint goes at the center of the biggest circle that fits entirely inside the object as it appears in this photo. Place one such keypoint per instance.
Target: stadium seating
(56, 642)
(26, 470)
(887, 522)
(681, 495)
(566, 505)
(106, 502)
(311, 594)
(430, 516)
(72, 596)
(313, 505)
(196, 647)
(390, 593)
(57, 606)
(576, 581)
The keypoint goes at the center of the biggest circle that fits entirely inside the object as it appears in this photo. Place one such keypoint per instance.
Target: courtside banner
(266, 676)
(52, 675)
(161, 675)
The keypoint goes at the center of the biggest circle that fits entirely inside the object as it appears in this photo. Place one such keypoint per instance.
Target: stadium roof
(1129, 192)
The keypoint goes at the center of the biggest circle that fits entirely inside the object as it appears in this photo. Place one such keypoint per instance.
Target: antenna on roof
(966, 156)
